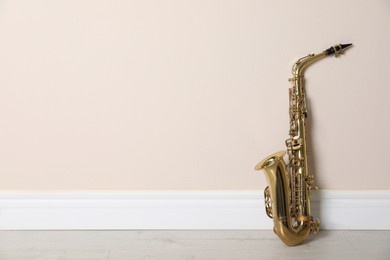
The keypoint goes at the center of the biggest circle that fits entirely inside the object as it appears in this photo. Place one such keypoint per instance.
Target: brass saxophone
(287, 196)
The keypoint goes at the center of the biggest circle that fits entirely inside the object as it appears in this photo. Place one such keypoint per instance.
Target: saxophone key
(294, 143)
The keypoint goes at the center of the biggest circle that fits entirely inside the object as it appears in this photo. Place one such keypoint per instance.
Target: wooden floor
(188, 245)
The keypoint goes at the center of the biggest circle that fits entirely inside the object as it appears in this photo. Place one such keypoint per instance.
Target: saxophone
(287, 196)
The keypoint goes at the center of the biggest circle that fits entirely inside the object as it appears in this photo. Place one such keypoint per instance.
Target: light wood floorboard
(189, 245)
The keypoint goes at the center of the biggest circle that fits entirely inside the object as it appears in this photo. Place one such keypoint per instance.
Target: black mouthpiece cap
(337, 49)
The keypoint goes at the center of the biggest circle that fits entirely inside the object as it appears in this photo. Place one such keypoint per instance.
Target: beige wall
(188, 94)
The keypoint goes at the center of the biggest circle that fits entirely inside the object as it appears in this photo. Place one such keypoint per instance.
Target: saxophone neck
(303, 62)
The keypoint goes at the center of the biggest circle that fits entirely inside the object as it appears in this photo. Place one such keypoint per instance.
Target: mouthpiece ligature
(338, 49)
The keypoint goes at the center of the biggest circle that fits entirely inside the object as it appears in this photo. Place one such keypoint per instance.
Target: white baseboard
(181, 210)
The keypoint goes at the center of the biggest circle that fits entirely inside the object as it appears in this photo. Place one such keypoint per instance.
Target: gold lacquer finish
(287, 196)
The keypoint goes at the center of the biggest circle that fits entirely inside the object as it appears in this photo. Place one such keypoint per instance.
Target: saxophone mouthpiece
(338, 49)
